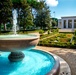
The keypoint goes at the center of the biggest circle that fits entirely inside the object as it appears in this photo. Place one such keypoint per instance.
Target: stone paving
(64, 67)
(69, 55)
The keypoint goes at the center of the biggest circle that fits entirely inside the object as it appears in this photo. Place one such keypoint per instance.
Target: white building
(67, 24)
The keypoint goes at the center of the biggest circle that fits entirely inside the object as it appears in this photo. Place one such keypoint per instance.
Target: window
(69, 23)
(64, 23)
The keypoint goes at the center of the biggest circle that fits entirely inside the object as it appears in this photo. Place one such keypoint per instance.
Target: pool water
(36, 62)
(18, 36)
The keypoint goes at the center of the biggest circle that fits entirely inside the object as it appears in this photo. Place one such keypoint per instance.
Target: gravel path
(69, 55)
(49, 36)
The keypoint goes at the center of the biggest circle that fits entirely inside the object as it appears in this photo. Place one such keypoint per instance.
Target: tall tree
(54, 22)
(5, 12)
(43, 16)
(23, 7)
(25, 15)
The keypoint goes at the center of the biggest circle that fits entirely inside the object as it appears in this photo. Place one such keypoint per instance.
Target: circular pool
(17, 36)
(35, 62)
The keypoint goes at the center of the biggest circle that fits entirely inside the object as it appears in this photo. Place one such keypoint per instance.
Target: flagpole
(54, 14)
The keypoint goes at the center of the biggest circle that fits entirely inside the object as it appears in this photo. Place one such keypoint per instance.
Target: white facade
(67, 22)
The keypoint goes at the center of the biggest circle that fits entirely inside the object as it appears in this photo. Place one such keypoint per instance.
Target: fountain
(14, 21)
(23, 59)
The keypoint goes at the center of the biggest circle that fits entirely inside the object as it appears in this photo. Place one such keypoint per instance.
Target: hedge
(56, 44)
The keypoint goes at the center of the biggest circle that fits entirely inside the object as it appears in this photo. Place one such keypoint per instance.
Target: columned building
(67, 22)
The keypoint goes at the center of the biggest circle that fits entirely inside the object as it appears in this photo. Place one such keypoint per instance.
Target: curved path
(49, 36)
(69, 55)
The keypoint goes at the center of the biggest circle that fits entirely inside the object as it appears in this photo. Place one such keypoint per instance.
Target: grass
(46, 35)
(59, 40)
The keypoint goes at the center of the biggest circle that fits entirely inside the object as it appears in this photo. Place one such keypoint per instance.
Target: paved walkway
(69, 55)
(64, 67)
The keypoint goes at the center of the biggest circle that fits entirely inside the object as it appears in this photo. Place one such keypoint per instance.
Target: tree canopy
(42, 18)
(5, 11)
(54, 22)
(25, 15)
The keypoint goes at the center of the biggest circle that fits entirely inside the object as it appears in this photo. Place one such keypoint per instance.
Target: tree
(25, 18)
(54, 22)
(23, 8)
(5, 12)
(43, 16)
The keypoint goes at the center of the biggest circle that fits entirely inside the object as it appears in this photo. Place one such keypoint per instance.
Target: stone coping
(17, 38)
(65, 69)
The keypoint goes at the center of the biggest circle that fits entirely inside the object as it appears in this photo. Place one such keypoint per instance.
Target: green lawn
(59, 40)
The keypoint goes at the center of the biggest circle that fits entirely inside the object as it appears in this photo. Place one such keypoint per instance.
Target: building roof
(68, 17)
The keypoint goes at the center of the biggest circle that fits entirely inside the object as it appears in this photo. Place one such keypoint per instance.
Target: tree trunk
(5, 28)
(0, 28)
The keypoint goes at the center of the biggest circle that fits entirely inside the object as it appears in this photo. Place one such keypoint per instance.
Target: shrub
(69, 35)
(59, 41)
(55, 30)
(41, 32)
(62, 35)
(55, 44)
(64, 40)
(48, 31)
(75, 33)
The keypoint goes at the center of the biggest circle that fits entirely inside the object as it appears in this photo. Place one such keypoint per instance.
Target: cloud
(52, 2)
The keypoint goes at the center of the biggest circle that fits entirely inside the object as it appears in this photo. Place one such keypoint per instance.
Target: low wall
(66, 30)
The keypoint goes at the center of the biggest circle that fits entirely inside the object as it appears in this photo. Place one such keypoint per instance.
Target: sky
(60, 8)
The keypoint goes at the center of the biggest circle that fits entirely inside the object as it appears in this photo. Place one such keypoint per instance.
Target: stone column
(67, 23)
(72, 24)
(62, 23)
